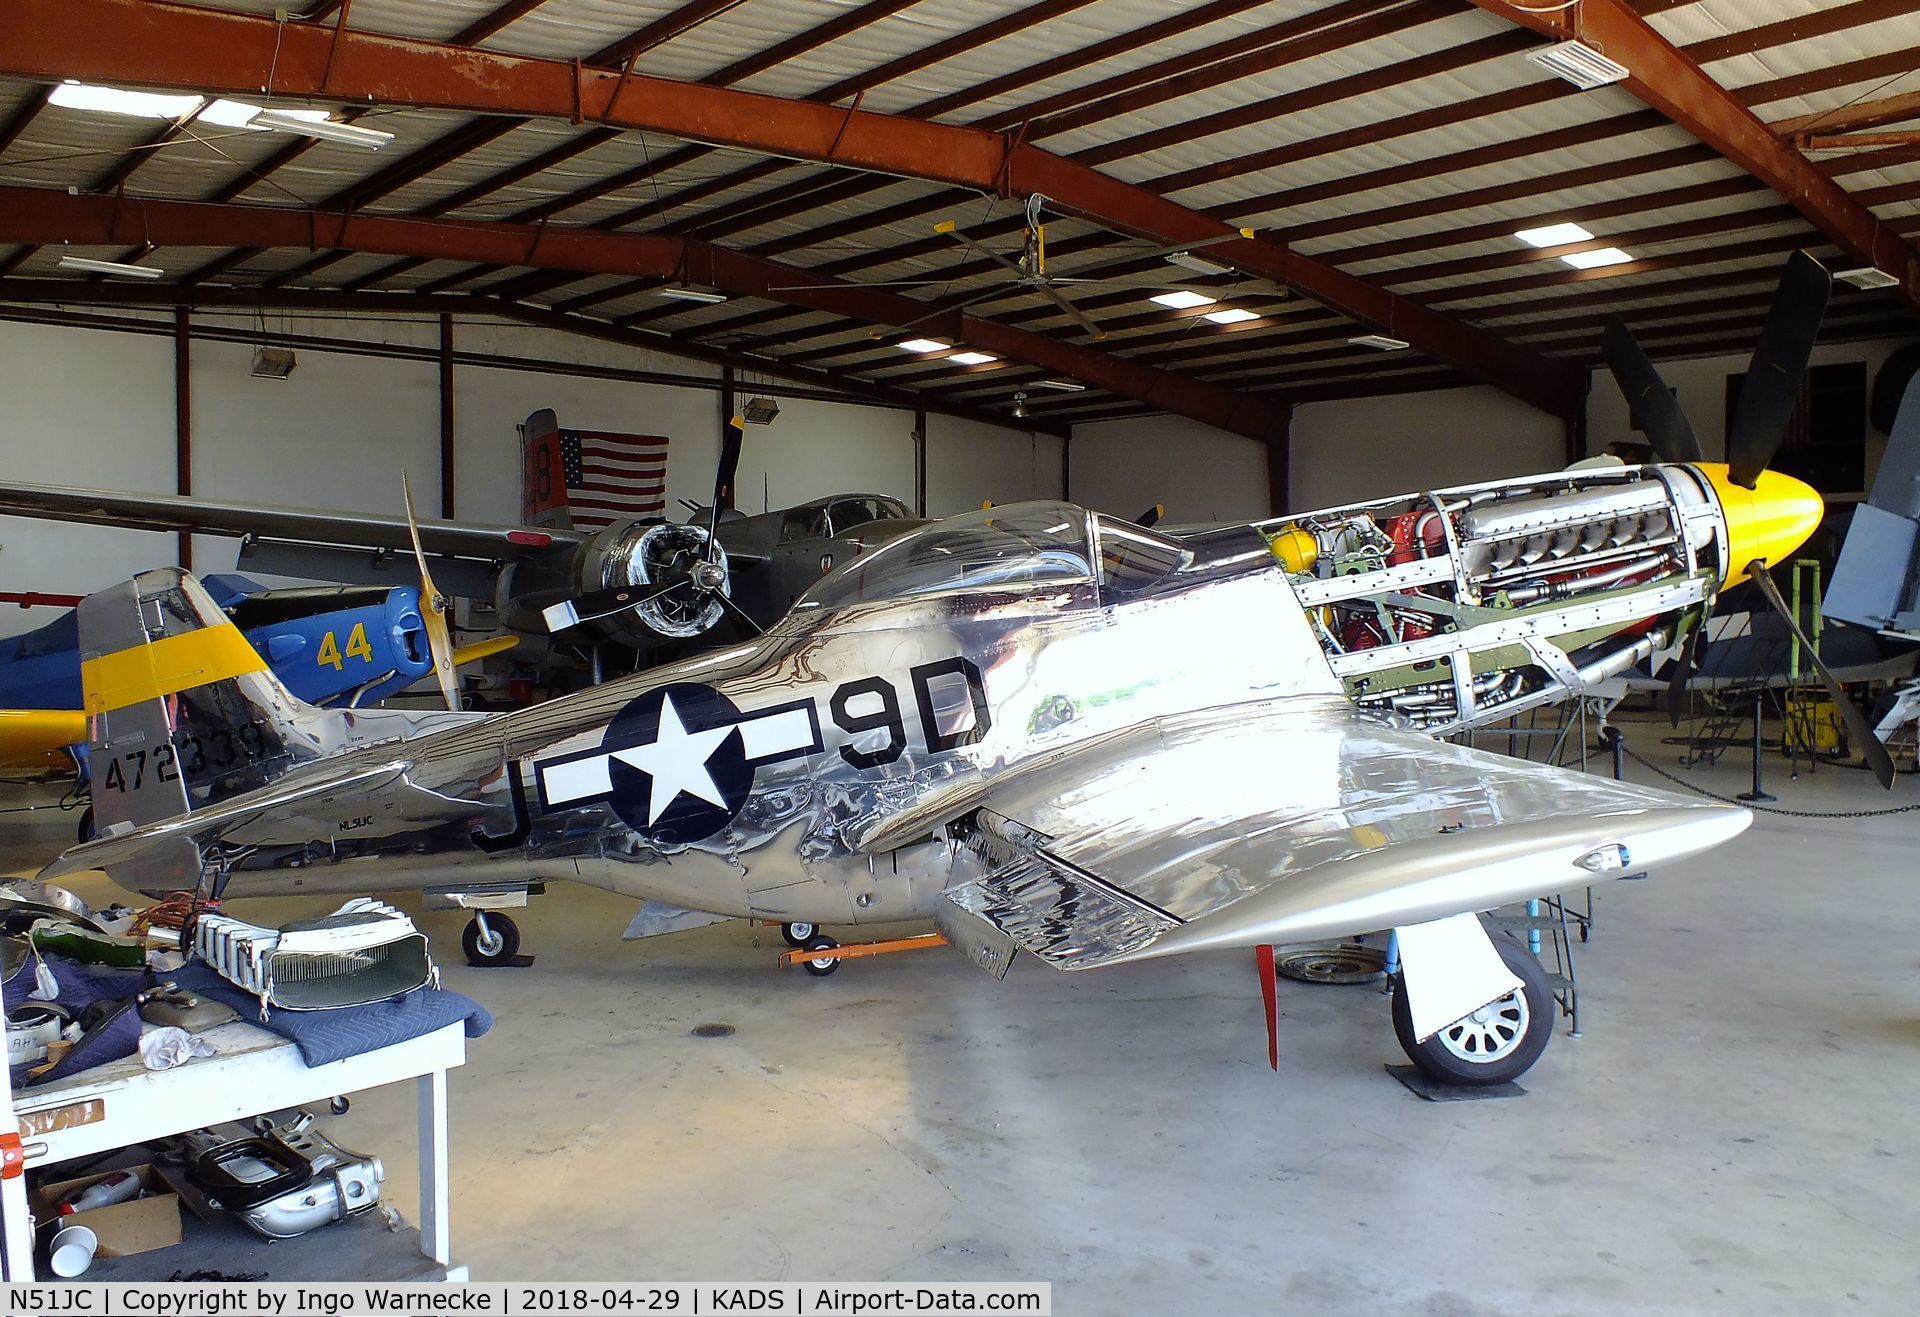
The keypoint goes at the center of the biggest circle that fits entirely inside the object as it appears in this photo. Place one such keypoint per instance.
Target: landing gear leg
(490, 938)
(798, 933)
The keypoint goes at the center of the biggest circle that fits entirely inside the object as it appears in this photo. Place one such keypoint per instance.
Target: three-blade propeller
(1768, 397)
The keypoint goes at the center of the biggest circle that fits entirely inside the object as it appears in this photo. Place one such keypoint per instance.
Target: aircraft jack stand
(821, 955)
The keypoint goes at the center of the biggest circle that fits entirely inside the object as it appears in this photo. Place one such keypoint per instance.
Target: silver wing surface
(1294, 820)
(100, 507)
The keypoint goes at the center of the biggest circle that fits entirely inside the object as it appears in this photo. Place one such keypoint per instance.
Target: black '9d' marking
(887, 716)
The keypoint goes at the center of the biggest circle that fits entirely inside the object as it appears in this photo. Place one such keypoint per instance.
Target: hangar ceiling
(563, 161)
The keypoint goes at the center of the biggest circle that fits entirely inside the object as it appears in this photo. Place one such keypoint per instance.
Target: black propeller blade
(1857, 729)
(1151, 517)
(1655, 411)
(1771, 389)
(723, 479)
(602, 603)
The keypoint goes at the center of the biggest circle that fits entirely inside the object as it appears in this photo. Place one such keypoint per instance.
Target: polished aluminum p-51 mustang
(1045, 728)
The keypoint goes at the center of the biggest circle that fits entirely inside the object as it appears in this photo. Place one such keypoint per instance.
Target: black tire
(86, 824)
(823, 967)
(499, 949)
(1449, 1056)
(799, 932)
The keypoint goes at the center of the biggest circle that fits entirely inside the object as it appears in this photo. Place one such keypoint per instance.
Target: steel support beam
(446, 414)
(1672, 83)
(183, 419)
(219, 51)
(42, 215)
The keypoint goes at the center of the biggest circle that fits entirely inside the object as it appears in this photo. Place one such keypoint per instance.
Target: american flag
(606, 477)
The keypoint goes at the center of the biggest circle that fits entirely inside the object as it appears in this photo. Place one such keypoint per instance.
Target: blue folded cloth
(344, 1031)
(80, 986)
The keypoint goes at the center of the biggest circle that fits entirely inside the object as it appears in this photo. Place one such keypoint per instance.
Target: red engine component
(1403, 530)
(1413, 626)
(1361, 633)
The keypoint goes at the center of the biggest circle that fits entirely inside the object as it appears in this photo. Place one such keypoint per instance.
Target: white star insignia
(676, 762)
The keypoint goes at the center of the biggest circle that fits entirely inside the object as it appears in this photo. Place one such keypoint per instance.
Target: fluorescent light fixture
(1064, 386)
(1198, 264)
(348, 134)
(1232, 315)
(971, 358)
(222, 113)
(92, 266)
(1380, 341)
(1596, 258)
(682, 293)
(1554, 235)
(1182, 299)
(112, 100)
(239, 114)
(1580, 64)
(1868, 277)
(923, 345)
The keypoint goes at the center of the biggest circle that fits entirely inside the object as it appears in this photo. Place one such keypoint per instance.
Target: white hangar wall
(93, 407)
(1361, 448)
(1201, 474)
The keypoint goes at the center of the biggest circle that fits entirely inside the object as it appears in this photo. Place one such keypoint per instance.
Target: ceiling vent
(1867, 277)
(1580, 64)
(1380, 341)
(272, 363)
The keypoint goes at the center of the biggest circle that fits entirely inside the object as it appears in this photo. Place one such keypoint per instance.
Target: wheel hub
(1490, 1033)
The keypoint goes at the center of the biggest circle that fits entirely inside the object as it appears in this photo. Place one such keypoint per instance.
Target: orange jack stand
(857, 949)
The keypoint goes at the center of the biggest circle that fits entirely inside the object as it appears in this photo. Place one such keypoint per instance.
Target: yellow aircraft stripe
(167, 665)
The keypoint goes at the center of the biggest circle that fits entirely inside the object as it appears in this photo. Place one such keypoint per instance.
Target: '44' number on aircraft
(357, 647)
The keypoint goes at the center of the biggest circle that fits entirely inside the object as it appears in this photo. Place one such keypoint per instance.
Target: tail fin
(1876, 583)
(543, 475)
(181, 710)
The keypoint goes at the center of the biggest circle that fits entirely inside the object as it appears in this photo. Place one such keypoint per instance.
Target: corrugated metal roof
(1398, 140)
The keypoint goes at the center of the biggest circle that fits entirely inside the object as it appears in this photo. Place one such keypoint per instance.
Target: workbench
(255, 1071)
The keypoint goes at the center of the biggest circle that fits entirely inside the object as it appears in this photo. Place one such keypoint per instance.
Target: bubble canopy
(1018, 544)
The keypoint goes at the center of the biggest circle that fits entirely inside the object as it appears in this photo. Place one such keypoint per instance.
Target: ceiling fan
(1028, 269)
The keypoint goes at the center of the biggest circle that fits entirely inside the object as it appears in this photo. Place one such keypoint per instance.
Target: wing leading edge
(1298, 820)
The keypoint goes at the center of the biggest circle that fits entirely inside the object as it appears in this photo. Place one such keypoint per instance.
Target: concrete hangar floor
(1733, 1133)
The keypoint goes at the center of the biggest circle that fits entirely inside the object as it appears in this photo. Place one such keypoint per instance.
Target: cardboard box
(138, 1225)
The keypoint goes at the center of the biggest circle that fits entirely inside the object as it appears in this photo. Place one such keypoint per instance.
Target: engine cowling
(677, 570)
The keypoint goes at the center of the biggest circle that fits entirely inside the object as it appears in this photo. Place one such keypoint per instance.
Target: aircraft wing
(1296, 820)
(99, 507)
(35, 740)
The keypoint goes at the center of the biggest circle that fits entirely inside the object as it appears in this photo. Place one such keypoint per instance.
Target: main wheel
(1496, 1043)
(496, 942)
(820, 966)
(798, 933)
(86, 825)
